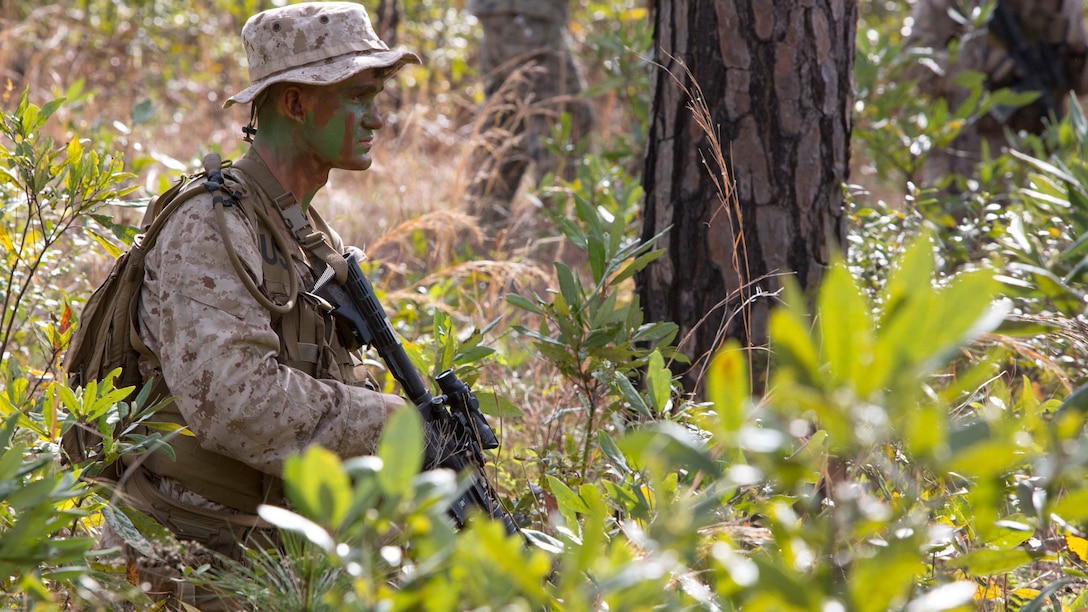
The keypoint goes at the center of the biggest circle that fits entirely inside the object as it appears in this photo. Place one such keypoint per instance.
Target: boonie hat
(318, 43)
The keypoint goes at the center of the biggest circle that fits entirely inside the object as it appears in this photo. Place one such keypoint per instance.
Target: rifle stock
(456, 432)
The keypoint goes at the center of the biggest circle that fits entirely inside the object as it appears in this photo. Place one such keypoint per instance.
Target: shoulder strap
(309, 238)
(222, 199)
(158, 212)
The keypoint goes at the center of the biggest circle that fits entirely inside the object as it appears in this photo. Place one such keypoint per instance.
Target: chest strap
(289, 208)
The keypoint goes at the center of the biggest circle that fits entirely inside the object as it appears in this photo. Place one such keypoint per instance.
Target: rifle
(456, 432)
(1037, 62)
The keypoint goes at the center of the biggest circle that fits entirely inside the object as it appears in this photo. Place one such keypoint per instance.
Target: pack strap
(155, 217)
(215, 184)
(309, 238)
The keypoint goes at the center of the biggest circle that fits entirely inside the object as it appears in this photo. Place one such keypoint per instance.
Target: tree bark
(774, 78)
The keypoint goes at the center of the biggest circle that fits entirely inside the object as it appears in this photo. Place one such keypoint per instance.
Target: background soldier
(1029, 45)
(530, 80)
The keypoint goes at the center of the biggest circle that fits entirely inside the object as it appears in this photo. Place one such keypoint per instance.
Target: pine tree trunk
(774, 80)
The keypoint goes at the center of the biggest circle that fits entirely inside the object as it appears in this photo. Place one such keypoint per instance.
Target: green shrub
(56, 201)
(589, 329)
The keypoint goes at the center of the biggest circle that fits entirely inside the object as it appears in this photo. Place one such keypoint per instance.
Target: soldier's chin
(358, 164)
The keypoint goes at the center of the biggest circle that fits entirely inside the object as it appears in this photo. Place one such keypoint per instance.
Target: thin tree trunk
(388, 18)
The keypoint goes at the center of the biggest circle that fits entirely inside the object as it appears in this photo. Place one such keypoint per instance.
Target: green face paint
(339, 129)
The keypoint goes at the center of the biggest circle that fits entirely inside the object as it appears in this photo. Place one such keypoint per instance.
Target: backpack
(106, 337)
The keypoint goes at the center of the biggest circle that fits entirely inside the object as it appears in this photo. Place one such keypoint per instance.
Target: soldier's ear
(293, 101)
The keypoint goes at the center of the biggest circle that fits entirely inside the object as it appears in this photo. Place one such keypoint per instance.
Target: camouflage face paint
(305, 130)
(339, 128)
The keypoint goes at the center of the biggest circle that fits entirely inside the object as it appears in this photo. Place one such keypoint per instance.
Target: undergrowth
(919, 444)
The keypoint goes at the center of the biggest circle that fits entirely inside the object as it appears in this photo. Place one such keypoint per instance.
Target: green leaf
(659, 381)
(846, 330)
(661, 331)
(569, 287)
(1026, 328)
(95, 405)
(148, 527)
(784, 587)
(887, 576)
(988, 562)
(631, 395)
(1012, 97)
(624, 496)
(493, 404)
(790, 336)
(1009, 533)
(523, 303)
(1072, 507)
(543, 541)
(445, 341)
(606, 314)
(913, 271)
(588, 214)
(966, 309)
(7, 466)
(728, 387)
(1045, 167)
(106, 244)
(672, 445)
(922, 326)
(48, 110)
(926, 429)
(75, 151)
(473, 354)
(637, 265)
(1050, 286)
(168, 427)
(30, 494)
(613, 452)
(596, 253)
(988, 458)
(565, 497)
(142, 112)
(318, 486)
(122, 231)
(137, 529)
(401, 451)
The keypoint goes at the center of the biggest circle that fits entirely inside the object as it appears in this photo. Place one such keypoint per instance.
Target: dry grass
(743, 303)
(415, 174)
(421, 157)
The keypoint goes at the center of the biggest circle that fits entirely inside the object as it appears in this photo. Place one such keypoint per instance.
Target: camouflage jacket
(220, 356)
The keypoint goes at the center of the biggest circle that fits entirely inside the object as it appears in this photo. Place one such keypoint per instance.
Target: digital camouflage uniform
(220, 354)
(1059, 23)
(530, 79)
(254, 382)
(252, 386)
